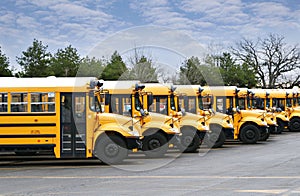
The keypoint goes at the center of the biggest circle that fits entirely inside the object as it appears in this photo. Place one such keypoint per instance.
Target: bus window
(152, 107)
(220, 107)
(181, 102)
(79, 106)
(241, 103)
(19, 102)
(206, 102)
(268, 103)
(163, 105)
(115, 104)
(258, 103)
(289, 102)
(278, 103)
(191, 105)
(126, 106)
(294, 102)
(3, 102)
(43, 102)
(229, 105)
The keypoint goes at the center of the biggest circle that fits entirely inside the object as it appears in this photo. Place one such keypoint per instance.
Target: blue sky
(86, 24)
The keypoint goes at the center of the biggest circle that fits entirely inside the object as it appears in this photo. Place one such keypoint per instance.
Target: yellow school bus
(249, 126)
(247, 95)
(260, 99)
(158, 131)
(291, 108)
(59, 115)
(220, 124)
(167, 102)
(244, 97)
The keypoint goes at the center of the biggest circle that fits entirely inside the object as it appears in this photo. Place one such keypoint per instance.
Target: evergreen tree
(35, 61)
(115, 68)
(4, 65)
(65, 62)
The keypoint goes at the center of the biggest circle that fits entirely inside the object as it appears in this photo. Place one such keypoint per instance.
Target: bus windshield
(204, 102)
(241, 103)
(94, 103)
(289, 102)
(278, 103)
(258, 103)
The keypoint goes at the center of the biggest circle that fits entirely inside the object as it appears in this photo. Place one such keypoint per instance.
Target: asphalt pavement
(266, 168)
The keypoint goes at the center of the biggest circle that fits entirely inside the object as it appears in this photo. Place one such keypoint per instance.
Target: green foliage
(143, 71)
(35, 61)
(236, 74)
(90, 67)
(115, 68)
(194, 72)
(65, 62)
(4, 66)
(190, 72)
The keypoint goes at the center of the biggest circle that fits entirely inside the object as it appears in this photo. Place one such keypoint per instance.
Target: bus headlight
(264, 123)
(134, 133)
(175, 130)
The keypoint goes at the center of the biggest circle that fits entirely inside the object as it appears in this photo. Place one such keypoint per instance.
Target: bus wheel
(111, 149)
(264, 137)
(249, 134)
(155, 145)
(189, 141)
(294, 125)
(280, 127)
(216, 138)
(220, 141)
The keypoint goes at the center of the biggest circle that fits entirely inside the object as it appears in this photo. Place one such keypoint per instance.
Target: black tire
(280, 127)
(111, 149)
(264, 137)
(155, 145)
(216, 138)
(189, 141)
(249, 134)
(294, 125)
(220, 141)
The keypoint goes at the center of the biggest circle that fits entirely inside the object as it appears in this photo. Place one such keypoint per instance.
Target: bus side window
(19, 102)
(3, 102)
(43, 102)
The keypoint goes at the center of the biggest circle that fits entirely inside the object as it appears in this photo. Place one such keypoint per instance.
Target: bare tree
(271, 58)
(141, 67)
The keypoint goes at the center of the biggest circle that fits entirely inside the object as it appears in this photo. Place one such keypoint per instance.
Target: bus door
(73, 124)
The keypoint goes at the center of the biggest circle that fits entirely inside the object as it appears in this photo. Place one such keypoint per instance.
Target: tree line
(266, 62)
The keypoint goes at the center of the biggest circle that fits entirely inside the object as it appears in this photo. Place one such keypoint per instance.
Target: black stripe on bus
(28, 114)
(28, 136)
(29, 125)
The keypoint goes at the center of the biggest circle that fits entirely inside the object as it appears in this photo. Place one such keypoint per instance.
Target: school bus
(58, 115)
(220, 124)
(167, 102)
(292, 109)
(260, 99)
(247, 95)
(196, 102)
(244, 97)
(248, 125)
(158, 131)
